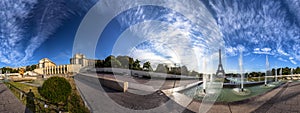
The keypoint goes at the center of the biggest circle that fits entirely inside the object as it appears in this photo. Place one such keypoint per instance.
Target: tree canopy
(147, 66)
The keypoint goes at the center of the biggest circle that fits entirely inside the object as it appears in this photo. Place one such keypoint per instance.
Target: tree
(30, 67)
(147, 66)
(184, 70)
(136, 65)
(194, 73)
(286, 71)
(7, 69)
(126, 61)
(161, 68)
(111, 61)
(99, 63)
(56, 89)
(297, 70)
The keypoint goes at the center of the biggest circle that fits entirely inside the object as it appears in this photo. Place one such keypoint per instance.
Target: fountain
(208, 91)
(241, 70)
(241, 90)
(266, 85)
(276, 77)
(280, 73)
(291, 75)
(275, 74)
(204, 75)
(267, 68)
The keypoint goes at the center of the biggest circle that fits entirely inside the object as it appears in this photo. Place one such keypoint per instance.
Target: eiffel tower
(220, 72)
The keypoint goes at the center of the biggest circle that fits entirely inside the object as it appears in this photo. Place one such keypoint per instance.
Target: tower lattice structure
(220, 71)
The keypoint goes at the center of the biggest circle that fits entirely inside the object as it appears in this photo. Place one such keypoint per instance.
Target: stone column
(66, 69)
(60, 68)
(54, 70)
(63, 68)
(47, 70)
(51, 70)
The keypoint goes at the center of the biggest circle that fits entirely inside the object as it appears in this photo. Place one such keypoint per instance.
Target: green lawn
(75, 103)
(26, 88)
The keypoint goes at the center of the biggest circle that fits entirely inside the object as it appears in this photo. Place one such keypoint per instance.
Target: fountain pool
(228, 94)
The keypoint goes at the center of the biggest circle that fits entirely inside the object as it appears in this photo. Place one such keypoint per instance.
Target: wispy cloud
(294, 8)
(292, 60)
(260, 24)
(262, 51)
(26, 24)
(13, 15)
(174, 37)
(281, 59)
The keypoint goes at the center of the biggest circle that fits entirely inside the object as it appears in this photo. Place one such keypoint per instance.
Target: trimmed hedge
(56, 89)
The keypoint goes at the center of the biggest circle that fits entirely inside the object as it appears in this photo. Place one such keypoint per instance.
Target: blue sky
(258, 28)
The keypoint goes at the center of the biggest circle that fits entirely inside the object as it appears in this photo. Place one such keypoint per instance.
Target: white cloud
(145, 55)
(281, 59)
(17, 43)
(280, 51)
(263, 51)
(294, 8)
(260, 24)
(266, 49)
(293, 61)
(176, 41)
(13, 15)
(231, 51)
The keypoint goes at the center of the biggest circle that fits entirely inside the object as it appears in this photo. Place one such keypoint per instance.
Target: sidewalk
(8, 101)
(284, 99)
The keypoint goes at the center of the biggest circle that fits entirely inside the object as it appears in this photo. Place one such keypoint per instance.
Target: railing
(36, 104)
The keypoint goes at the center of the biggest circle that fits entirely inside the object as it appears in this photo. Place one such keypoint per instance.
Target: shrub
(56, 89)
(75, 104)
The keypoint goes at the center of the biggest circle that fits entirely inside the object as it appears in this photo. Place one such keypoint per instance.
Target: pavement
(102, 100)
(9, 103)
(284, 99)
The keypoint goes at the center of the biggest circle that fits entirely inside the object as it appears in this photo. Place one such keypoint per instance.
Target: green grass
(75, 102)
(26, 88)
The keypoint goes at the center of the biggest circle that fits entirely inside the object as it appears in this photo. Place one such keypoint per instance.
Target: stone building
(45, 62)
(82, 60)
(47, 67)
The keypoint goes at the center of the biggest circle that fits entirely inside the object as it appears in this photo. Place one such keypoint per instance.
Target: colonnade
(61, 69)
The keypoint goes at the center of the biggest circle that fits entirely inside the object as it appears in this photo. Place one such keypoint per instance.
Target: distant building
(47, 67)
(82, 60)
(45, 62)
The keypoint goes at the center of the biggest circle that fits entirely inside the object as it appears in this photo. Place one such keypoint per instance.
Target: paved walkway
(102, 100)
(8, 101)
(285, 99)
